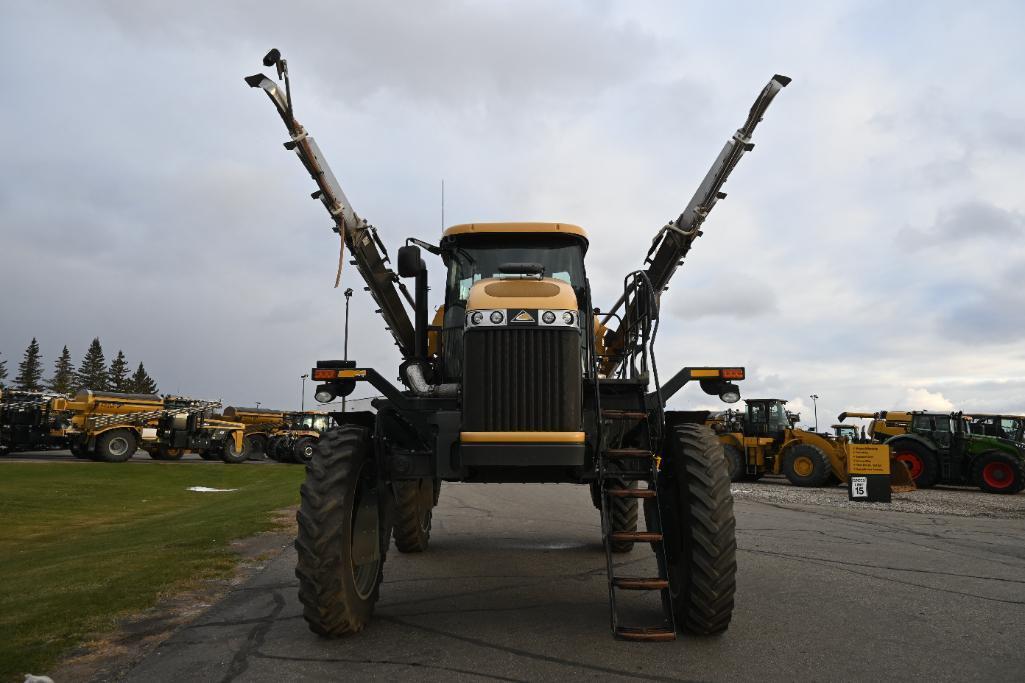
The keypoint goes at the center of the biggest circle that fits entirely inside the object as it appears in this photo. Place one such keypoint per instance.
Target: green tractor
(941, 448)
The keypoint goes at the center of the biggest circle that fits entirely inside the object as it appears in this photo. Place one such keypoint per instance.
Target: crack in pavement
(253, 642)
(395, 662)
(842, 566)
(531, 655)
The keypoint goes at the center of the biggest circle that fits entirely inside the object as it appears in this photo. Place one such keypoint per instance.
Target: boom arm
(673, 241)
(369, 254)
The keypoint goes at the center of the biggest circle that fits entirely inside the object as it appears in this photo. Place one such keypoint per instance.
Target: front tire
(303, 450)
(622, 515)
(735, 462)
(806, 465)
(117, 445)
(699, 530)
(341, 503)
(999, 473)
(230, 453)
(414, 504)
(921, 463)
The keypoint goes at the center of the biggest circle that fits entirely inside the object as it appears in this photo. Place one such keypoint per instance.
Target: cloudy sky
(870, 251)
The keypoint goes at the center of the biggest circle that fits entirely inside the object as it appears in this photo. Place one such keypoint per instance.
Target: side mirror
(410, 263)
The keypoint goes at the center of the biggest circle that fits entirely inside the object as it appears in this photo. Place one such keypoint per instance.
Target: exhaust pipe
(418, 383)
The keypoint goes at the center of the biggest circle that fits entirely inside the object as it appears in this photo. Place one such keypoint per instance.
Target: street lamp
(815, 403)
(258, 405)
(302, 393)
(345, 348)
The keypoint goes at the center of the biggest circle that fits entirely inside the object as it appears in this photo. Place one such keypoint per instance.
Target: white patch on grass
(207, 489)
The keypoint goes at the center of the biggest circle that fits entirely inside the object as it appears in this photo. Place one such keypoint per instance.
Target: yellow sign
(868, 459)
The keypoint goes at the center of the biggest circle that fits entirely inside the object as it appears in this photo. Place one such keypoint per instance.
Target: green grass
(82, 545)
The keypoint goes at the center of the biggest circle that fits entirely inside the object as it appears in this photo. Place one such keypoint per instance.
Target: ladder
(640, 426)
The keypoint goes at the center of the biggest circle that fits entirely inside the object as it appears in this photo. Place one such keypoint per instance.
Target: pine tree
(63, 378)
(30, 369)
(92, 373)
(117, 375)
(141, 382)
(3, 373)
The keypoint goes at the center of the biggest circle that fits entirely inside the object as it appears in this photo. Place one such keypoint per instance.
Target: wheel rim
(913, 463)
(364, 576)
(117, 446)
(803, 466)
(998, 475)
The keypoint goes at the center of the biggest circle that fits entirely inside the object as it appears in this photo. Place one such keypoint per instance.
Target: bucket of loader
(900, 476)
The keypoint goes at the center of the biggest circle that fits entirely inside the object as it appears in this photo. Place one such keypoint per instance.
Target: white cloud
(916, 398)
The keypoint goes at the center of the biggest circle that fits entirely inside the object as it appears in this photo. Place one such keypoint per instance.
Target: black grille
(525, 379)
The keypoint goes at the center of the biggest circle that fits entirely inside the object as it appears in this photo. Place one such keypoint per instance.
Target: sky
(870, 251)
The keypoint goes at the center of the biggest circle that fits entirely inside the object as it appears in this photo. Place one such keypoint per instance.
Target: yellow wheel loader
(883, 425)
(521, 383)
(764, 440)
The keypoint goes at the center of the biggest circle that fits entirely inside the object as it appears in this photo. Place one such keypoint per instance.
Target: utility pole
(815, 402)
(345, 348)
(258, 405)
(302, 393)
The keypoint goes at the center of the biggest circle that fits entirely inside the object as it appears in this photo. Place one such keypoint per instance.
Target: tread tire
(1017, 466)
(622, 515)
(332, 606)
(699, 530)
(930, 475)
(229, 454)
(735, 462)
(414, 504)
(305, 445)
(103, 444)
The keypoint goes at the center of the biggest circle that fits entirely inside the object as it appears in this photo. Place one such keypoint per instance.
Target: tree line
(93, 373)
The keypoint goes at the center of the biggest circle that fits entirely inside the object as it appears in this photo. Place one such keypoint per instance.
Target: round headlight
(567, 317)
(548, 317)
(496, 317)
(324, 395)
(729, 396)
(476, 317)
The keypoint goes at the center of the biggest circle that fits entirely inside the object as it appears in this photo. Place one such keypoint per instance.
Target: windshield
(479, 257)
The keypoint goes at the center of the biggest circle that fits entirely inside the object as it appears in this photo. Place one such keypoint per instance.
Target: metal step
(649, 633)
(638, 536)
(628, 453)
(631, 493)
(624, 414)
(638, 583)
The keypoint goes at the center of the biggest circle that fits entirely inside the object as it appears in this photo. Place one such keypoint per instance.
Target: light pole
(345, 348)
(258, 405)
(815, 403)
(302, 393)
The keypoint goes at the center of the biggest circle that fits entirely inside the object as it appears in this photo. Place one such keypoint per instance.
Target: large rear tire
(208, 454)
(414, 505)
(921, 462)
(735, 463)
(117, 445)
(698, 528)
(303, 450)
(275, 447)
(806, 465)
(255, 447)
(998, 472)
(79, 452)
(341, 504)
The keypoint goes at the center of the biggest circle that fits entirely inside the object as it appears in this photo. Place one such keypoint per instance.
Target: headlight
(568, 317)
(476, 318)
(729, 396)
(324, 394)
(548, 317)
(496, 317)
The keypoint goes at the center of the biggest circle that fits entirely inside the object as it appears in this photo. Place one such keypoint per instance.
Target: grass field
(82, 544)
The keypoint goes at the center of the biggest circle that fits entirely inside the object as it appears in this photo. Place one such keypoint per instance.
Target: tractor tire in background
(622, 515)
(997, 472)
(275, 447)
(302, 451)
(208, 454)
(230, 454)
(80, 452)
(117, 445)
(806, 465)
(342, 503)
(735, 463)
(164, 453)
(922, 464)
(698, 529)
(414, 508)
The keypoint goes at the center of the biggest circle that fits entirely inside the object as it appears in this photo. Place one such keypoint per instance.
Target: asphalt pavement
(140, 457)
(513, 588)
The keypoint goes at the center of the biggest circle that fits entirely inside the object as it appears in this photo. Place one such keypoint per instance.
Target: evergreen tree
(30, 369)
(141, 382)
(117, 375)
(63, 378)
(92, 373)
(3, 373)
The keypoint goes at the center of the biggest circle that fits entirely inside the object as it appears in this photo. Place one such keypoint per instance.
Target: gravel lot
(941, 500)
